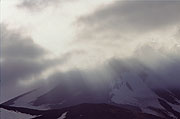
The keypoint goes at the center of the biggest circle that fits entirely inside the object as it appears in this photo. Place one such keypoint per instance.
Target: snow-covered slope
(5, 114)
(137, 85)
(132, 89)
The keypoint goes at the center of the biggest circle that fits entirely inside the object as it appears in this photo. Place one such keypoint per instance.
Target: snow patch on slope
(26, 101)
(5, 114)
(63, 116)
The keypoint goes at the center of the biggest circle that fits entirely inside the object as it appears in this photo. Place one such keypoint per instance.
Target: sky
(43, 38)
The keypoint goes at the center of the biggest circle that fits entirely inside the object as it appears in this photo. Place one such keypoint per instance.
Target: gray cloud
(147, 59)
(177, 35)
(131, 16)
(21, 58)
(115, 73)
(20, 69)
(38, 4)
(164, 65)
(17, 46)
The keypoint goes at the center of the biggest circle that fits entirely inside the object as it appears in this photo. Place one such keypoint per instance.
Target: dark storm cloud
(17, 46)
(132, 16)
(38, 4)
(21, 58)
(15, 69)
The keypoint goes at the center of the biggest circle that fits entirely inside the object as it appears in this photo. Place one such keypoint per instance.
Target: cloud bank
(22, 60)
(122, 27)
(133, 16)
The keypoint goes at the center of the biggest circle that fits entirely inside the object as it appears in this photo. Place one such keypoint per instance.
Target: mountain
(84, 111)
(133, 87)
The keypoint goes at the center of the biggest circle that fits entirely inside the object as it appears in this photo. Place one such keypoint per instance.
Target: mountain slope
(134, 86)
(85, 111)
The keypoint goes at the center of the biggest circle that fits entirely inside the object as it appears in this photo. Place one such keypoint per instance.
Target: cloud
(21, 58)
(177, 35)
(22, 65)
(130, 17)
(136, 72)
(38, 4)
(15, 45)
(147, 58)
(120, 28)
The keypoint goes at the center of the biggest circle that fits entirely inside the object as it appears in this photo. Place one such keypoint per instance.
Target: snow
(141, 95)
(63, 116)
(26, 100)
(139, 91)
(5, 114)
